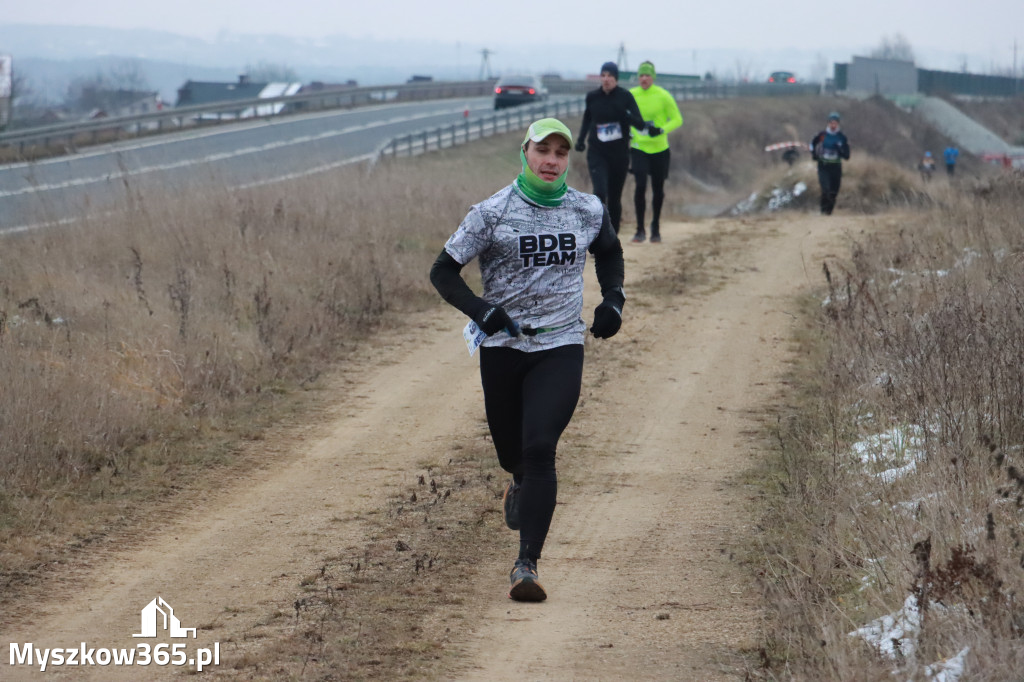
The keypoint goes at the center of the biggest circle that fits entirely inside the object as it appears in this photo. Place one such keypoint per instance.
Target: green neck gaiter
(538, 191)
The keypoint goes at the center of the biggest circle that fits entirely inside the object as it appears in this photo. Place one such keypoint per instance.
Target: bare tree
(128, 74)
(265, 72)
(106, 89)
(27, 106)
(894, 47)
(743, 70)
(820, 70)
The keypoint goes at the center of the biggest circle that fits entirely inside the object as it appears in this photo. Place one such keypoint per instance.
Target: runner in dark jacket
(829, 147)
(610, 111)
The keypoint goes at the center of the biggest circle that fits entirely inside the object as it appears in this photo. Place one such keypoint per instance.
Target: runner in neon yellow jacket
(649, 153)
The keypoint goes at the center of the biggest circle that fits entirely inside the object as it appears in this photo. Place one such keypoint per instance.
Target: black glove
(492, 319)
(581, 146)
(652, 129)
(607, 320)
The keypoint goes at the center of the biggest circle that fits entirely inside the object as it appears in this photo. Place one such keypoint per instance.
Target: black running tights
(656, 165)
(529, 399)
(830, 177)
(608, 171)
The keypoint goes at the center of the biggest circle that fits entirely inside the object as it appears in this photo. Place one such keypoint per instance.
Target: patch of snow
(894, 634)
(899, 446)
(949, 670)
(890, 475)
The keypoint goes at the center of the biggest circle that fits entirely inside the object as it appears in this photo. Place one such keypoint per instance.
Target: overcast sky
(985, 29)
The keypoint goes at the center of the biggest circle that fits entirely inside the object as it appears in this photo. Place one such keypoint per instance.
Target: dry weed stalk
(920, 335)
(266, 288)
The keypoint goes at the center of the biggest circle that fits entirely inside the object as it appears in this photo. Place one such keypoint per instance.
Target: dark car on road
(511, 91)
(782, 77)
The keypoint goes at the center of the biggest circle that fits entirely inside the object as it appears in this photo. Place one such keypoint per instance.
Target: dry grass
(918, 345)
(137, 350)
(138, 346)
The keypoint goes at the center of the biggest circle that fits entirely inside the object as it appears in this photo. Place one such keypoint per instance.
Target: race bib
(609, 132)
(474, 336)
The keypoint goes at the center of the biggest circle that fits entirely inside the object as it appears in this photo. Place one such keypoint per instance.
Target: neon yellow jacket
(656, 104)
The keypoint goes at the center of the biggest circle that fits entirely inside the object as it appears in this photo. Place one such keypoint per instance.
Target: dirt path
(638, 565)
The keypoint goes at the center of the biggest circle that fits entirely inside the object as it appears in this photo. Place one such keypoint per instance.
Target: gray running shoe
(510, 505)
(525, 585)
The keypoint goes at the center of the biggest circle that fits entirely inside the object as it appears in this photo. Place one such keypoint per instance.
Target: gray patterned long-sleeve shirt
(531, 262)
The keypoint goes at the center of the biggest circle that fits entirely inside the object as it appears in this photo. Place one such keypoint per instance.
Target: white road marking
(106, 177)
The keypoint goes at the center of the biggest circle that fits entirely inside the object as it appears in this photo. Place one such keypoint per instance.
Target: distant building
(663, 79)
(885, 77)
(114, 103)
(197, 93)
(894, 77)
(194, 93)
(320, 86)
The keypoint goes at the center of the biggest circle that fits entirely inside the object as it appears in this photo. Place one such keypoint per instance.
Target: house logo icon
(159, 612)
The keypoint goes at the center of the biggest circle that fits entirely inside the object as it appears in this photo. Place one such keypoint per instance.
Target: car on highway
(782, 77)
(516, 89)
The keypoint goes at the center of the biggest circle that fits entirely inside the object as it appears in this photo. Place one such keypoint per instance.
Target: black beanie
(612, 68)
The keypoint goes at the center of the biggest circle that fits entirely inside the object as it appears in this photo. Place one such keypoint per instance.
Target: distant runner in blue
(950, 157)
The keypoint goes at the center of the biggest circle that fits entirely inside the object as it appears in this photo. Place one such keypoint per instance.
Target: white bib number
(609, 132)
(474, 336)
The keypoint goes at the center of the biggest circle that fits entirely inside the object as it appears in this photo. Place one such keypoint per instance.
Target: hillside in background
(719, 157)
(50, 56)
(1003, 117)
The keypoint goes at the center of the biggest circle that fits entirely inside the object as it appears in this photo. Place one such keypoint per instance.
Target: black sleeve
(446, 277)
(608, 262)
(585, 126)
(844, 148)
(633, 116)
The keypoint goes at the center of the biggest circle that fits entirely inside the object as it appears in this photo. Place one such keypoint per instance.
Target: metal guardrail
(68, 136)
(501, 121)
(440, 137)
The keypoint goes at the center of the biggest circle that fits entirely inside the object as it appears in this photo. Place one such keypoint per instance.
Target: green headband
(646, 69)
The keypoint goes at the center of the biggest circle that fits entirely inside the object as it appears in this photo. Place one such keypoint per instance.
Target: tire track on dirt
(224, 564)
(638, 564)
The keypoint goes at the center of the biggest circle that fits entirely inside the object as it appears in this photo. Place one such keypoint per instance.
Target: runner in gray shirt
(531, 240)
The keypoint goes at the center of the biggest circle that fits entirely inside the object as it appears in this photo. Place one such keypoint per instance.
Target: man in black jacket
(610, 111)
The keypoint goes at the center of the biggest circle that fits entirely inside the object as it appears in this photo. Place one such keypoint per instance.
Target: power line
(622, 60)
(485, 64)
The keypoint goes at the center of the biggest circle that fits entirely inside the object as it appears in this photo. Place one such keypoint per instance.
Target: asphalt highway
(57, 190)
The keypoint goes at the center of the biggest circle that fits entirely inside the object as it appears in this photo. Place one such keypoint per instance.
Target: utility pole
(622, 61)
(485, 64)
